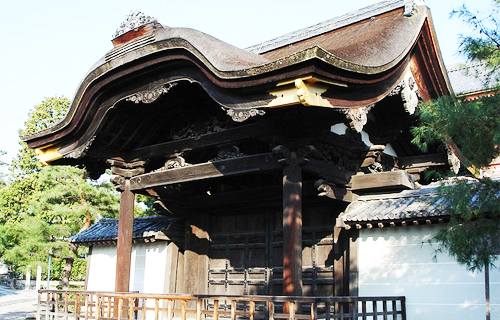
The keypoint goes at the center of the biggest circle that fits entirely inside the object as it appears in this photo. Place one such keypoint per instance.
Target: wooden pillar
(124, 245)
(122, 172)
(292, 227)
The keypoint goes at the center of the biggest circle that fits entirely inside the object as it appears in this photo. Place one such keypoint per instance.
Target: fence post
(38, 278)
(198, 308)
(216, 309)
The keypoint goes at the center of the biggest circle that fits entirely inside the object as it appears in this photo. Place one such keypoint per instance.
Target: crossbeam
(207, 170)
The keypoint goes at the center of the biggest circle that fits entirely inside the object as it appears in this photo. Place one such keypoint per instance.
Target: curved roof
(368, 40)
(349, 62)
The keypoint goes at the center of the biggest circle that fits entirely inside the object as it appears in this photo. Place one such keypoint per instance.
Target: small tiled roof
(106, 230)
(406, 205)
(470, 77)
(424, 205)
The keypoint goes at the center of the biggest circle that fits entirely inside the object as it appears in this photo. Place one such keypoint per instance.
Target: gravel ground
(17, 304)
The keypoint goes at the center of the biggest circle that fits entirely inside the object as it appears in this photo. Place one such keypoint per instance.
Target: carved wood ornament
(358, 116)
(240, 115)
(151, 95)
(408, 91)
(134, 20)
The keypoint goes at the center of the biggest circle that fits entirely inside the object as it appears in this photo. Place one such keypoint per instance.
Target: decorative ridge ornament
(411, 5)
(134, 20)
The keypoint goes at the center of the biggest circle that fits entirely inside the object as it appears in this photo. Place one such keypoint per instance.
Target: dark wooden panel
(246, 253)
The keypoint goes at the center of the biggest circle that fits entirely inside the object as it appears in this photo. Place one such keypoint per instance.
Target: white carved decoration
(134, 19)
(176, 162)
(411, 6)
(453, 161)
(151, 95)
(358, 116)
(409, 93)
(240, 115)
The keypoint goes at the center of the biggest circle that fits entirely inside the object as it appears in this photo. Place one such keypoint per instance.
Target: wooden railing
(58, 305)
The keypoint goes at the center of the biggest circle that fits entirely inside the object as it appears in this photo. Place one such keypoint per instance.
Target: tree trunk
(487, 289)
(67, 273)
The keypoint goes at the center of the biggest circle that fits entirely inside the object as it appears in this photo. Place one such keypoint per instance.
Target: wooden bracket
(305, 91)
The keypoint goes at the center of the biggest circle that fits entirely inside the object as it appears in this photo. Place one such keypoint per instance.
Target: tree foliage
(484, 42)
(3, 177)
(43, 116)
(42, 206)
(472, 130)
(473, 234)
(473, 125)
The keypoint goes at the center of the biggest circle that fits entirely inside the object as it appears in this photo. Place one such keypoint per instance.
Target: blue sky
(47, 47)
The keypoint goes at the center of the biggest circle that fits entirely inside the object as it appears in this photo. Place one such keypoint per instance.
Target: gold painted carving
(48, 154)
(305, 92)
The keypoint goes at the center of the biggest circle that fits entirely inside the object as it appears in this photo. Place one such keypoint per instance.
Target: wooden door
(246, 255)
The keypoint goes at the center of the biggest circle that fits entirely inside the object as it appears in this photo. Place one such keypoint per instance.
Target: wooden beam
(334, 192)
(203, 141)
(124, 245)
(390, 180)
(235, 166)
(328, 171)
(421, 163)
(292, 228)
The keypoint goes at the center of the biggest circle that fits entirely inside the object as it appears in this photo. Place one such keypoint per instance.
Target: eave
(247, 86)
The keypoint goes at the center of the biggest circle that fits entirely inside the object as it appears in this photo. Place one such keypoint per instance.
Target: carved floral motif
(241, 115)
(81, 150)
(228, 153)
(134, 19)
(151, 95)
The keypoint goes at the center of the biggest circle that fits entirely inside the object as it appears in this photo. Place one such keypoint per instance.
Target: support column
(124, 245)
(123, 171)
(292, 227)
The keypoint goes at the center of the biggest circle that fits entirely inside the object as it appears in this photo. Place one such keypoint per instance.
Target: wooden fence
(79, 305)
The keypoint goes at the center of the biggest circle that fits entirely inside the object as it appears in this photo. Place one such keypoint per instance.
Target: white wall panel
(102, 268)
(401, 261)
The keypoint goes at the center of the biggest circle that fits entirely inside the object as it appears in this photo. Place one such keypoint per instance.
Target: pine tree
(472, 130)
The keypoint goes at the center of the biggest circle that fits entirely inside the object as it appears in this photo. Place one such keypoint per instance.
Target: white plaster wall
(102, 267)
(148, 263)
(399, 261)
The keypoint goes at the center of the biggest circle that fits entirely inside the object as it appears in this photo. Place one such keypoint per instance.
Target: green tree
(471, 129)
(42, 206)
(483, 45)
(3, 178)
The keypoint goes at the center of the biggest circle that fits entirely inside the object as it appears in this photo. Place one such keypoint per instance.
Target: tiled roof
(424, 205)
(419, 204)
(106, 230)
(470, 77)
(326, 26)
